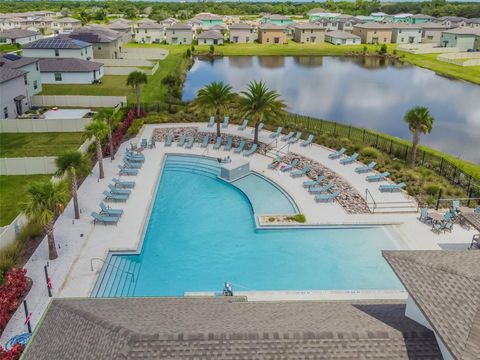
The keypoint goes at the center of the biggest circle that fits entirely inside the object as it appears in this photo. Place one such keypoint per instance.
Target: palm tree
(44, 201)
(170, 81)
(99, 130)
(135, 79)
(109, 118)
(259, 103)
(215, 96)
(419, 122)
(73, 163)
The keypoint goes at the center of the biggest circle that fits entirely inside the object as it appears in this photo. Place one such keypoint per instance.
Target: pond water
(365, 92)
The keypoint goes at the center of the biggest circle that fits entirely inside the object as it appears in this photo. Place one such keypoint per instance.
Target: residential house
(169, 22)
(309, 33)
(195, 24)
(242, 33)
(462, 38)
(272, 34)
(420, 19)
(404, 33)
(179, 33)
(210, 37)
(142, 22)
(276, 19)
(14, 23)
(65, 25)
(14, 100)
(345, 22)
(452, 21)
(31, 66)
(363, 19)
(403, 17)
(18, 36)
(59, 47)
(208, 20)
(379, 16)
(329, 25)
(374, 33)
(149, 32)
(44, 25)
(432, 31)
(124, 28)
(475, 22)
(318, 14)
(106, 43)
(70, 71)
(340, 37)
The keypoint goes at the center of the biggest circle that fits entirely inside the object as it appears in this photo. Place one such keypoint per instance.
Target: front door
(18, 105)
(312, 39)
(276, 40)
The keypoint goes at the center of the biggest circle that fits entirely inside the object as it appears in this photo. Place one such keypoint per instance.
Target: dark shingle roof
(227, 328)
(210, 34)
(16, 62)
(68, 65)
(179, 26)
(445, 285)
(7, 73)
(17, 33)
(269, 26)
(240, 26)
(57, 42)
(95, 35)
(310, 26)
(342, 34)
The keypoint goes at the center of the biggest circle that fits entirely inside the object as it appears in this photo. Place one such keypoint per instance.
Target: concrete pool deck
(82, 245)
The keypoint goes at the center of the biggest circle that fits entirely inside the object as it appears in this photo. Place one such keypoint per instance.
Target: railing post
(441, 166)
(438, 198)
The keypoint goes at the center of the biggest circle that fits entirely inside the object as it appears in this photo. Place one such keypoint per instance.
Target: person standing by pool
(227, 289)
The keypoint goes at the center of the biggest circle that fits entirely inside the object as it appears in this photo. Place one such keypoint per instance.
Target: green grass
(12, 192)
(38, 144)
(112, 85)
(8, 47)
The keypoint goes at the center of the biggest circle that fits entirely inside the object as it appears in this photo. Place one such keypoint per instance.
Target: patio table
(437, 217)
(473, 219)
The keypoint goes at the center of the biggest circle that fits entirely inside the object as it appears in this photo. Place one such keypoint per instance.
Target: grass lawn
(8, 47)
(38, 144)
(112, 85)
(12, 193)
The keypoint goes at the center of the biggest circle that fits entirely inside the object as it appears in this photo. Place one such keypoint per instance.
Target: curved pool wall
(201, 232)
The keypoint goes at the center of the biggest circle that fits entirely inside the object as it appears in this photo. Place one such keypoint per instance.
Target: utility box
(235, 169)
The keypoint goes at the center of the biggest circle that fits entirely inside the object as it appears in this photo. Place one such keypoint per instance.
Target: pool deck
(81, 245)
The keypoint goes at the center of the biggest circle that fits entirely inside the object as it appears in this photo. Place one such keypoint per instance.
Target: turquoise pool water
(201, 233)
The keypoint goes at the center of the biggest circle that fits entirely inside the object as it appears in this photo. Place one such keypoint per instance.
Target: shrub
(365, 48)
(188, 54)
(212, 49)
(371, 152)
(298, 218)
(383, 49)
(135, 127)
(12, 290)
(13, 354)
(431, 189)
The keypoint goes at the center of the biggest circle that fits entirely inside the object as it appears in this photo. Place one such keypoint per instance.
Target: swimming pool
(201, 233)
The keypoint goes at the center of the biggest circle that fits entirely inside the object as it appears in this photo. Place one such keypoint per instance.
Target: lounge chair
(134, 159)
(211, 122)
(320, 189)
(240, 147)
(218, 143)
(115, 190)
(391, 187)
(296, 138)
(205, 141)
(308, 141)
(169, 139)
(126, 171)
(288, 136)
(326, 197)
(144, 143)
(107, 211)
(115, 197)
(260, 127)
(123, 184)
(228, 145)
(134, 154)
(181, 140)
(477, 210)
(190, 142)
(310, 183)
(456, 206)
(153, 142)
(366, 168)
(226, 119)
(299, 173)
(251, 151)
(131, 165)
(276, 133)
(424, 217)
(337, 154)
(290, 166)
(275, 163)
(105, 220)
(349, 159)
(244, 125)
(377, 177)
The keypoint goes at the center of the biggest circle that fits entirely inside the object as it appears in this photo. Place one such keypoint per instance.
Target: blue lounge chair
(115, 197)
(309, 183)
(299, 173)
(153, 142)
(211, 122)
(320, 189)
(240, 147)
(105, 220)
(135, 154)
(226, 119)
(115, 190)
(424, 217)
(337, 154)
(260, 127)
(126, 171)
(477, 210)
(456, 206)
(244, 125)
(107, 211)
(349, 159)
(276, 133)
(444, 225)
(131, 165)
(288, 136)
(308, 141)
(228, 145)
(133, 159)
(181, 140)
(190, 142)
(391, 187)
(296, 138)
(144, 143)
(366, 168)
(251, 151)
(377, 177)
(123, 184)
(327, 197)
(290, 166)
(205, 141)
(169, 139)
(218, 143)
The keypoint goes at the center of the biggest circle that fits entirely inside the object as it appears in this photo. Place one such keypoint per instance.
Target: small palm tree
(419, 122)
(109, 118)
(99, 130)
(170, 81)
(135, 79)
(44, 201)
(215, 96)
(259, 103)
(73, 163)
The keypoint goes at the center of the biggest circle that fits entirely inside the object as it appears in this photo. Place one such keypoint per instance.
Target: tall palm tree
(135, 79)
(215, 96)
(109, 118)
(419, 122)
(259, 103)
(44, 201)
(170, 81)
(99, 130)
(73, 163)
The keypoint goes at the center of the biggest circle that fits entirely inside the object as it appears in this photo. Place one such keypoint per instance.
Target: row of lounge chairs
(211, 122)
(289, 138)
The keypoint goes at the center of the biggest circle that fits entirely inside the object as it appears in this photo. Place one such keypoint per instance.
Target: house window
(58, 76)
(25, 79)
(3, 40)
(401, 39)
(57, 52)
(36, 66)
(99, 48)
(35, 84)
(145, 31)
(5, 112)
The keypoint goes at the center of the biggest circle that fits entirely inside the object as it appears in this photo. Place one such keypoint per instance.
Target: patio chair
(456, 206)
(391, 187)
(107, 211)
(205, 141)
(181, 140)
(240, 147)
(320, 189)
(134, 154)
(337, 154)
(105, 220)
(276, 133)
(310, 183)
(131, 165)
(244, 125)
(190, 142)
(153, 142)
(126, 171)
(349, 159)
(144, 143)
(169, 139)
(308, 141)
(251, 151)
(218, 143)
(115, 190)
(296, 138)
(211, 122)
(424, 217)
(115, 197)
(228, 145)
(226, 119)
(299, 173)
(288, 136)
(260, 127)
(327, 197)
(445, 224)
(123, 184)
(366, 168)
(377, 177)
(477, 210)
(290, 166)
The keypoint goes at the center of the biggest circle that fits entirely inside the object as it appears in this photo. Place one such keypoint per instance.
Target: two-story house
(59, 47)
(31, 66)
(65, 25)
(14, 100)
(179, 33)
(106, 43)
(309, 33)
(242, 33)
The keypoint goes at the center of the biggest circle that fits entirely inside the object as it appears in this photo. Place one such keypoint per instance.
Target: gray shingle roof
(179, 26)
(16, 62)
(95, 35)
(309, 26)
(240, 26)
(57, 42)
(445, 285)
(227, 328)
(68, 65)
(7, 73)
(17, 33)
(210, 34)
(269, 26)
(339, 34)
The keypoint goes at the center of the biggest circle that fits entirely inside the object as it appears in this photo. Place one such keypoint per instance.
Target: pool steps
(118, 277)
